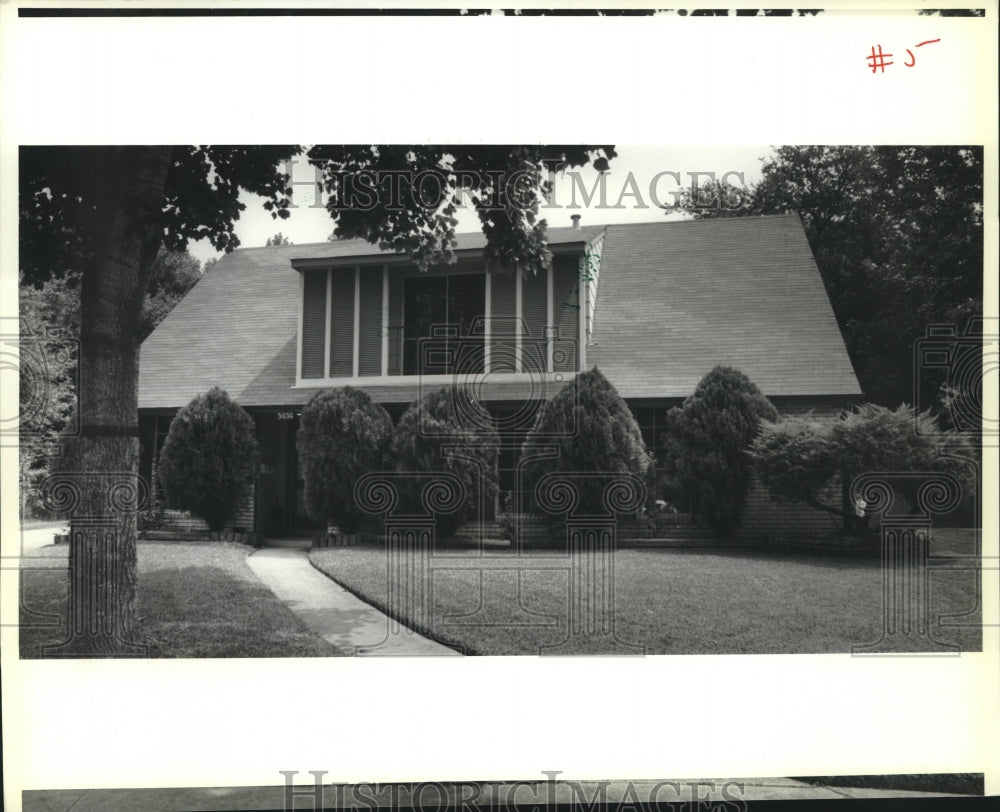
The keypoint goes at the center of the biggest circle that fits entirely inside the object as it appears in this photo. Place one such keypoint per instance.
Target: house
(654, 305)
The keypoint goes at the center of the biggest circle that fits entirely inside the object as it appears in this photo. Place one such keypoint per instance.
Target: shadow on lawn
(192, 611)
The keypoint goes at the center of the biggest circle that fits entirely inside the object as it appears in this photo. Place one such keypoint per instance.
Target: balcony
(392, 325)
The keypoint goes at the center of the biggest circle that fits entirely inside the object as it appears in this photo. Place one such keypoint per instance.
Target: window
(439, 313)
(381, 321)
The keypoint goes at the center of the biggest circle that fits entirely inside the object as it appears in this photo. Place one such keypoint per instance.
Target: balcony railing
(451, 354)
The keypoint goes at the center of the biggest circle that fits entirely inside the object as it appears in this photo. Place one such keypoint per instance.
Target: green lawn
(669, 601)
(196, 599)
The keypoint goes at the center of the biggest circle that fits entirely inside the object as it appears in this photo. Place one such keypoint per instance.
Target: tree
(405, 198)
(209, 458)
(447, 432)
(50, 333)
(105, 211)
(342, 436)
(174, 274)
(278, 239)
(49, 326)
(897, 233)
(705, 444)
(811, 461)
(592, 431)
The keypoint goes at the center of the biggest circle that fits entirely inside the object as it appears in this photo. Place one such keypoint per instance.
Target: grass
(668, 601)
(196, 599)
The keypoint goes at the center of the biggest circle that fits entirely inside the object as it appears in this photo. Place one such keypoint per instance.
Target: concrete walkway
(35, 536)
(333, 613)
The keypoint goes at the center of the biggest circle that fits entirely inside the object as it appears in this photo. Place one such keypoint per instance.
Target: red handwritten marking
(928, 42)
(877, 60)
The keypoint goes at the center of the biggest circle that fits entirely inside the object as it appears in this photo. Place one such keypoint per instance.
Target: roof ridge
(589, 227)
(737, 218)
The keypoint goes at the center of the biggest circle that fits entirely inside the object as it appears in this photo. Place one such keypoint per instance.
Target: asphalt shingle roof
(674, 299)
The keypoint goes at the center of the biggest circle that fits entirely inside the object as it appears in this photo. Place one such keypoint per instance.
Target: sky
(632, 183)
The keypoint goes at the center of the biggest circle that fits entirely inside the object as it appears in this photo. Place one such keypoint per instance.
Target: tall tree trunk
(99, 472)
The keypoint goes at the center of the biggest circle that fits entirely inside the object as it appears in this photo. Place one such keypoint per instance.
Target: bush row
(344, 435)
(712, 445)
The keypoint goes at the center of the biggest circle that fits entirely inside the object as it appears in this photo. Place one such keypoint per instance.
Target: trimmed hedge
(447, 418)
(705, 447)
(342, 436)
(799, 459)
(209, 458)
(594, 432)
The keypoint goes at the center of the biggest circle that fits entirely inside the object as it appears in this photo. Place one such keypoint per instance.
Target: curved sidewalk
(333, 613)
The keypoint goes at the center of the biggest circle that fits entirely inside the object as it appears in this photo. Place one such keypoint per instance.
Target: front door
(297, 518)
(280, 487)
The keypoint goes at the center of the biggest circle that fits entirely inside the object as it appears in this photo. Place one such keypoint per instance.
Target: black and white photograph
(544, 436)
(321, 447)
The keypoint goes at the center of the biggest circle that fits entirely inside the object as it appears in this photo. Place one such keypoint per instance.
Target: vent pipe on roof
(576, 220)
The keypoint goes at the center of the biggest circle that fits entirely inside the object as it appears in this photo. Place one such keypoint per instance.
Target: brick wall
(182, 520)
(765, 517)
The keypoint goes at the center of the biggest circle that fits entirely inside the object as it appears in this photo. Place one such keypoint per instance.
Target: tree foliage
(447, 432)
(897, 233)
(47, 358)
(342, 436)
(209, 458)
(174, 274)
(705, 443)
(50, 334)
(814, 461)
(593, 432)
(505, 185)
(65, 194)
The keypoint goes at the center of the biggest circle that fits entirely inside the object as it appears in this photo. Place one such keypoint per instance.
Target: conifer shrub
(209, 458)
(705, 445)
(447, 432)
(342, 436)
(802, 459)
(593, 433)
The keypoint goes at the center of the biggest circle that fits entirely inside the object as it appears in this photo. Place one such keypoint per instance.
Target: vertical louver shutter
(566, 313)
(313, 323)
(370, 333)
(396, 282)
(342, 324)
(534, 312)
(502, 322)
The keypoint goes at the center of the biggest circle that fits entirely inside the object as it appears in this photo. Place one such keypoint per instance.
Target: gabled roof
(674, 299)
